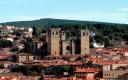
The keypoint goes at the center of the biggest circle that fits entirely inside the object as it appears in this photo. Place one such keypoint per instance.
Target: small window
(21, 57)
(56, 33)
(49, 33)
(34, 57)
(52, 33)
(86, 33)
(83, 33)
(27, 57)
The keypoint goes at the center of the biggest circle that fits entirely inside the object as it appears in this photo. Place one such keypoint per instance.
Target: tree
(107, 41)
(18, 34)
(5, 43)
(15, 49)
(99, 38)
(37, 68)
(41, 78)
(13, 58)
(89, 63)
(1, 66)
(16, 38)
(34, 31)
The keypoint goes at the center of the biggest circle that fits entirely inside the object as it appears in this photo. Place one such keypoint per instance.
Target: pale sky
(115, 11)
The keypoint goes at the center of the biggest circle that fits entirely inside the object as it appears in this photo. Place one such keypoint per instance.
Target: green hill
(107, 33)
(47, 22)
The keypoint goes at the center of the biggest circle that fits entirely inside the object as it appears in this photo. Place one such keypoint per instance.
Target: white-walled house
(97, 45)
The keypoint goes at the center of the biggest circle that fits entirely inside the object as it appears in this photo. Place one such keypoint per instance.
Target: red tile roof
(111, 62)
(88, 70)
(4, 56)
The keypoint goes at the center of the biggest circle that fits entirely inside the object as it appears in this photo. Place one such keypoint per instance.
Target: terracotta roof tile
(89, 70)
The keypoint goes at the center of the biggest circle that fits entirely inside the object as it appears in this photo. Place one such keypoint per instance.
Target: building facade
(68, 42)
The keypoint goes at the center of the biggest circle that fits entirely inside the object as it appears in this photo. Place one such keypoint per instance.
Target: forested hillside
(105, 32)
(47, 22)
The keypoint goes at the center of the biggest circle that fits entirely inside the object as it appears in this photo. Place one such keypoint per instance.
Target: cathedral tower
(54, 41)
(84, 41)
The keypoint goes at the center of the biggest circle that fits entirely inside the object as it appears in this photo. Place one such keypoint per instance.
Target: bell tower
(54, 41)
(84, 41)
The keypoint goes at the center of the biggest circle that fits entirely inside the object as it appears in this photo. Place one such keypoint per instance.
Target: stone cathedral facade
(68, 42)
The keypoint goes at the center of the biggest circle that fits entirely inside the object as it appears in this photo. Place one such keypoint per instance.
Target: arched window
(56, 33)
(68, 48)
(83, 33)
(52, 33)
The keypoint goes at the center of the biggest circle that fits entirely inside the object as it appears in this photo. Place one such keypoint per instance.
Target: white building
(97, 45)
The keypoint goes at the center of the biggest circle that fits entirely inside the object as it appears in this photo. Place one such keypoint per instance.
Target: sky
(114, 11)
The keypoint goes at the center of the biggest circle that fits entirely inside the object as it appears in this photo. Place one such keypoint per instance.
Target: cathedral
(68, 42)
